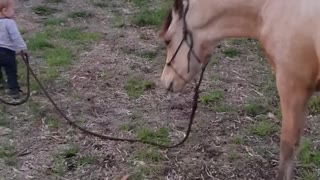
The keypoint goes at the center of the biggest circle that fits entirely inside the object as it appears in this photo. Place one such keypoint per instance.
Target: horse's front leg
(294, 95)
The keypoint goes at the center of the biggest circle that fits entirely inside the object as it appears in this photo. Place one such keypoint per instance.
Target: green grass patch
(253, 109)
(80, 14)
(231, 52)
(43, 10)
(58, 57)
(236, 140)
(135, 87)
(212, 97)
(54, 21)
(40, 41)
(70, 152)
(314, 105)
(263, 128)
(52, 123)
(148, 17)
(77, 35)
(150, 154)
(8, 153)
(160, 136)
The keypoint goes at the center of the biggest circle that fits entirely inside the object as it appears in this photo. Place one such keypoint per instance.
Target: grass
(52, 123)
(70, 159)
(7, 152)
(77, 35)
(231, 52)
(263, 128)
(160, 136)
(148, 17)
(4, 120)
(212, 97)
(54, 1)
(309, 158)
(40, 41)
(43, 10)
(253, 109)
(135, 87)
(314, 105)
(87, 160)
(58, 57)
(54, 21)
(237, 140)
(150, 155)
(80, 14)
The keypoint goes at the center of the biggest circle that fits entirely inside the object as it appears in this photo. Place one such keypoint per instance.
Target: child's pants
(8, 62)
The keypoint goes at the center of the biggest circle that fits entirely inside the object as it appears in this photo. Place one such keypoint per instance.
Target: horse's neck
(234, 18)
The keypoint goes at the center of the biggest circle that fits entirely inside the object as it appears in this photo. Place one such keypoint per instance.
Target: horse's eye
(167, 42)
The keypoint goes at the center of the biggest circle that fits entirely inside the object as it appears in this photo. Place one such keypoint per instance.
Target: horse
(289, 31)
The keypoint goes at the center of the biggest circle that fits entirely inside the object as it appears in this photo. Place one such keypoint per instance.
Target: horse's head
(188, 48)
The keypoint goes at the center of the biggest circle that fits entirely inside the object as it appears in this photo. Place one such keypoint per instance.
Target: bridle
(188, 38)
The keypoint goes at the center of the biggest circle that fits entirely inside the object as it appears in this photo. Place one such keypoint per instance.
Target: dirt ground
(112, 86)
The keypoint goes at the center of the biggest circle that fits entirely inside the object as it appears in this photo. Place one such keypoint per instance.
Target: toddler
(11, 43)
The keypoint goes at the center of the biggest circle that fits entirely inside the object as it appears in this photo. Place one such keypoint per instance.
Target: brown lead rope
(104, 137)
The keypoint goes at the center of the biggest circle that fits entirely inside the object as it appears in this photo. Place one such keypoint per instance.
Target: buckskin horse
(289, 31)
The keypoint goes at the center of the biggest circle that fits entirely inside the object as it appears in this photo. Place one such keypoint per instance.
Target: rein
(105, 137)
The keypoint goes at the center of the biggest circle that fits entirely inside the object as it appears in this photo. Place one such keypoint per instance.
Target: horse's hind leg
(294, 95)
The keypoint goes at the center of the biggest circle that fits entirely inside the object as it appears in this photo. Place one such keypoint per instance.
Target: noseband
(188, 38)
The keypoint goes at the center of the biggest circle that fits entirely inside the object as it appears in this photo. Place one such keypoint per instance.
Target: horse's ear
(166, 24)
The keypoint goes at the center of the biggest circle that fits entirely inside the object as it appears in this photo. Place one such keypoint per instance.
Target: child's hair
(4, 4)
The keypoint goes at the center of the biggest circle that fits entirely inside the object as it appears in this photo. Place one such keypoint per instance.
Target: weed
(161, 135)
(44, 10)
(135, 87)
(263, 128)
(80, 14)
(231, 52)
(212, 96)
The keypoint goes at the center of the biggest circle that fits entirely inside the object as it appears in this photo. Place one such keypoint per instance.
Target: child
(10, 43)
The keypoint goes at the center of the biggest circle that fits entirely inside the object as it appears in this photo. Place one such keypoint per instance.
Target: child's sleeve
(15, 36)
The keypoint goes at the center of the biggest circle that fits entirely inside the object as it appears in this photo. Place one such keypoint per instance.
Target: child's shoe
(14, 93)
(2, 86)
